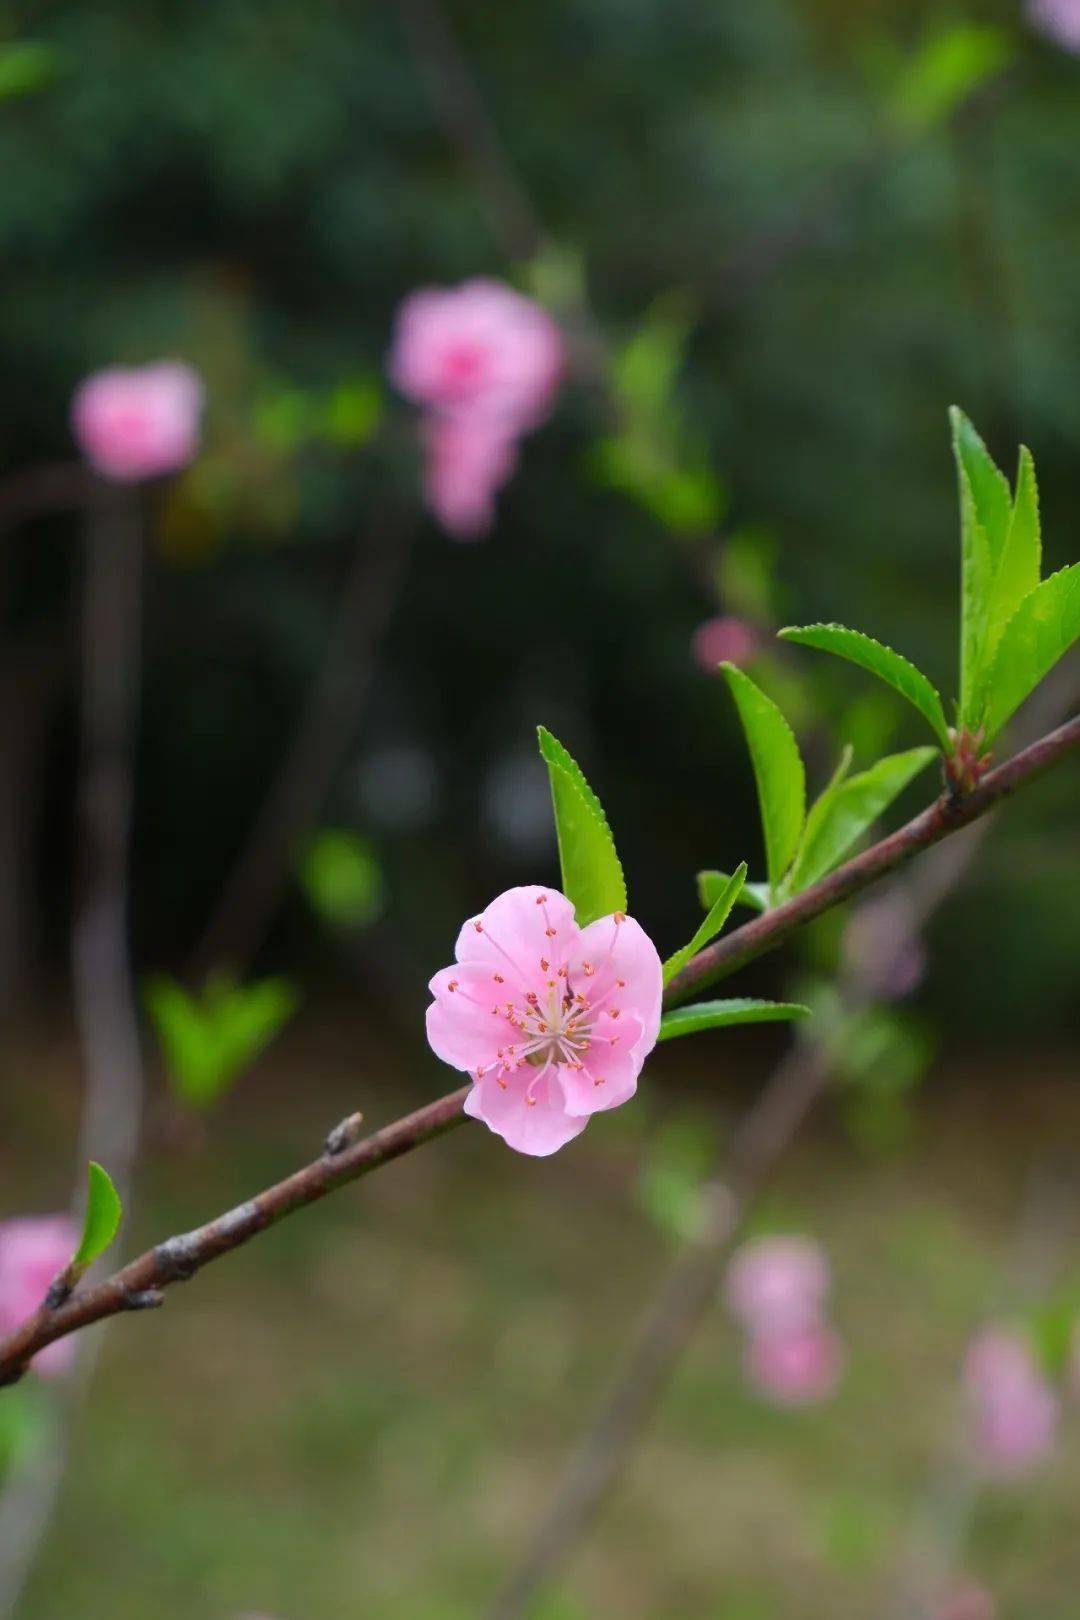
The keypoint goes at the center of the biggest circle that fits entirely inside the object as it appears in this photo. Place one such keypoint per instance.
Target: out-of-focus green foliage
(944, 69)
(26, 66)
(209, 1039)
(681, 1153)
(343, 878)
(658, 457)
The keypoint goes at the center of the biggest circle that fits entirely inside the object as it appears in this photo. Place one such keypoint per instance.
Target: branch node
(344, 1135)
(59, 1292)
(143, 1299)
(177, 1258)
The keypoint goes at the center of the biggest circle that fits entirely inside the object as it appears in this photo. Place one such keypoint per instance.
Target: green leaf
(1041, 631)
(340, 873)
(778, 770)
(881, 661)
(102, 1218)
(985, 518)
(27, 66)
(718, 915)
(208, 1040)
(644, 370)
(725, 1014)
(710, 884)
(990, 492)
(1021, 559)
(944, 70)
(592, 877)
(847, 808)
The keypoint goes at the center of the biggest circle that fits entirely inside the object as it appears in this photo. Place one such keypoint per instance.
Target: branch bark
(140, 1283)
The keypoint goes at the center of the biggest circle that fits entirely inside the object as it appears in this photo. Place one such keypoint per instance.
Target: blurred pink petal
(141, 423)
(1014, 1410)
(553, 1021)
(967, 1602)
(777, 1284)
(34, 1249)
(724, 640)
(468, 461)
(481, 349)
(1059, 20)
(795, 1367)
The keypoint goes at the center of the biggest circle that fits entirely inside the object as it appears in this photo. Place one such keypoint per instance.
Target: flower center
(560, 1030)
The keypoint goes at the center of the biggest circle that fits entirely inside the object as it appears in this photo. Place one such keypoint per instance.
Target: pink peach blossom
(140, 423)
(552, 1021)
(796, 1366)
(1013, 1408)
(480, 348)
(777, 1284)
(724, 640)
(34, 1249)
(468, 461)
(1059, 20)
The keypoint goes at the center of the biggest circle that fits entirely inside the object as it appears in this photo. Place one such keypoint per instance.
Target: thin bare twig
(141, 1282)
(466, 119)
(338, 694)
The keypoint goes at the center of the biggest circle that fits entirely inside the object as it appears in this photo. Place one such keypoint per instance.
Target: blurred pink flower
(796, 1366)
(468, 461)
(552, 1021)
(34, 1249)
(1059, 20)
(480, 348)
(775, 1285)
(967, 1602)
(1014, 1410)
(724, 640)
(134, 424)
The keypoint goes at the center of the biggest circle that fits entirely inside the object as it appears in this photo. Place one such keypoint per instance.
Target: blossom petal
(467, 1024)
(519, 930)
(528, 1114)
(609, 1073)
(618, 962)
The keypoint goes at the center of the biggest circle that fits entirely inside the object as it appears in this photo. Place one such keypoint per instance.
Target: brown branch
(140, 1283)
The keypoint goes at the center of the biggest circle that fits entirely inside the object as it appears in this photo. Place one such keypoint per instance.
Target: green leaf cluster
(1014, 625)
(803, 845)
